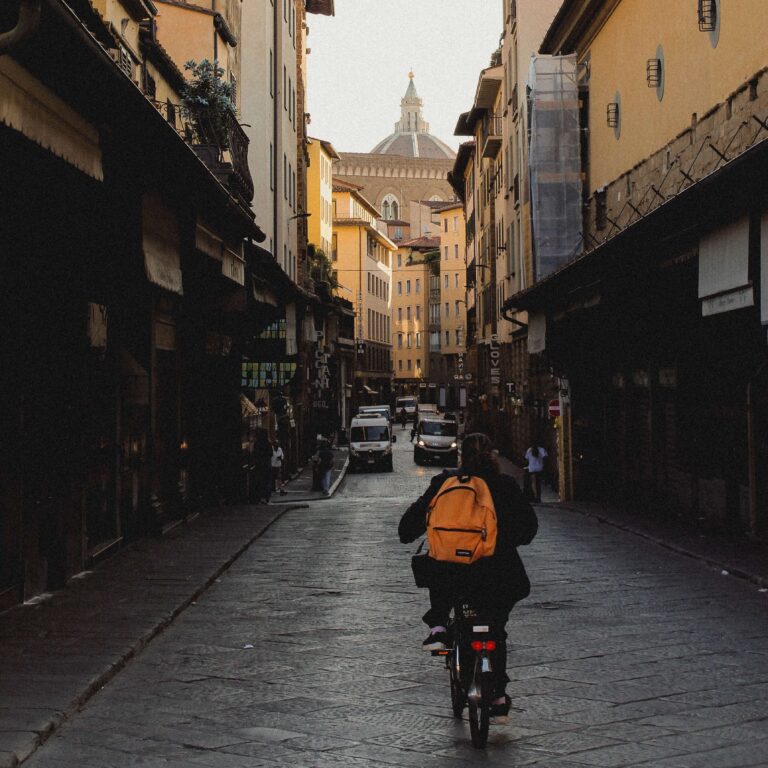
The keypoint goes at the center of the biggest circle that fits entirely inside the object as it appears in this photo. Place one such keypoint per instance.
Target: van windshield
(370, 434)
(439, 428)
(406, 402)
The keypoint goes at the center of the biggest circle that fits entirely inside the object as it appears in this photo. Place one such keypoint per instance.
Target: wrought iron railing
(218, 140)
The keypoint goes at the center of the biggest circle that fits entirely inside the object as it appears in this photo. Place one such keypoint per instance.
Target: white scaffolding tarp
(555, 162)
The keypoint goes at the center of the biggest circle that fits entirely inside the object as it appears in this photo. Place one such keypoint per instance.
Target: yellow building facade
(193, 31)
(453, 279)
(673, 98)
(410, 314)
(362, 260)
(699, 68)
(320, 194)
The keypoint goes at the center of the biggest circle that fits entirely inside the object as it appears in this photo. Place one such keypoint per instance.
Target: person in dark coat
(325, 465)
(491, 585)
(262, 458)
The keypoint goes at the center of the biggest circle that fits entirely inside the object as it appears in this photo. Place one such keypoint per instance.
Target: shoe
(283, 493)
(500, 712)
(435, 642)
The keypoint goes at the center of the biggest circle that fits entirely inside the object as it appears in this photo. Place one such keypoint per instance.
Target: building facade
(414, 264)
(140, 424)
(513, 384)
(657, 325)
(363, 264)
(408, 165)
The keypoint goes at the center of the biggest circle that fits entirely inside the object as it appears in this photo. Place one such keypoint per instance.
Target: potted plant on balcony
(208, 101)
(321, 269)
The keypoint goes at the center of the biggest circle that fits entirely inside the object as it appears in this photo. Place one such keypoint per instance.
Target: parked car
(370, 443)
(436, 439)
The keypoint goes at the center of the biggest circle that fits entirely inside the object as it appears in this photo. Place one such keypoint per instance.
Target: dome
(412, 137)
(414, 145)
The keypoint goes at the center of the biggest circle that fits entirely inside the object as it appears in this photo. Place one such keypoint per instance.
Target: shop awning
(162, 258)
(27, 106)
(369, 391)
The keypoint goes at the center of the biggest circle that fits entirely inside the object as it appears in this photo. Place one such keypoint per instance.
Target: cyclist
(491, 585)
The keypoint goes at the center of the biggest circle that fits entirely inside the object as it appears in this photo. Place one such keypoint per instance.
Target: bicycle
(471, 672)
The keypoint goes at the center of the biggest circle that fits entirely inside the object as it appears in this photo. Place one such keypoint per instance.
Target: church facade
(408, 165)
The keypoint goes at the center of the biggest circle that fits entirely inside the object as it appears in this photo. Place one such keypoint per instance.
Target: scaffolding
(555, 162)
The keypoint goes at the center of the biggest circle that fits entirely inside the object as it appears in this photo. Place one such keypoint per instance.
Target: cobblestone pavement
(306, 653)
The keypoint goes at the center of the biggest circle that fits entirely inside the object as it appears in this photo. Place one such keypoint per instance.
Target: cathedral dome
(412, 137)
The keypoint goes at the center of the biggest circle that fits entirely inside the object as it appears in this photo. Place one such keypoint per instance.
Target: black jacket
(516, 525)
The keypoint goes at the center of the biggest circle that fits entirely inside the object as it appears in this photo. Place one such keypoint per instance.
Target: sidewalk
(299, 488)
(734, 556)
(56, 653)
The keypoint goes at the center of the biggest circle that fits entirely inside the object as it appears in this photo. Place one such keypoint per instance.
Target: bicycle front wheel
(458, 698)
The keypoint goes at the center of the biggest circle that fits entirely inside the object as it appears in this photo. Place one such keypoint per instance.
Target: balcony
(219, 141)
(492, 136)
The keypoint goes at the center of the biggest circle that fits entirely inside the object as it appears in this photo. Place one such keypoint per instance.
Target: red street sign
(554, 409)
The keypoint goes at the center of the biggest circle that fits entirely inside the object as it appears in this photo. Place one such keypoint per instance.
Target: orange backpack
(461, 521)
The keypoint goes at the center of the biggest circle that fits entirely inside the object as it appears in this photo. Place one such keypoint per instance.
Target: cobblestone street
(306, 653)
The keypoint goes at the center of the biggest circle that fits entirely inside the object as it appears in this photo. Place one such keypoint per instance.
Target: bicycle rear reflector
(483, 645)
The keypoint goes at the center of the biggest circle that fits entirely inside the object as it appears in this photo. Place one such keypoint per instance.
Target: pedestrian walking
(403, 417)
(535, 456)
(325, 466)
(277, 461)
(262, 459)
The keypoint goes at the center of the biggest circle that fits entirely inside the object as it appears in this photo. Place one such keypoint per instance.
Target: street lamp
(299, 216)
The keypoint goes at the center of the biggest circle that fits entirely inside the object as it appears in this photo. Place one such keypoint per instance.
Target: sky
(360, 59)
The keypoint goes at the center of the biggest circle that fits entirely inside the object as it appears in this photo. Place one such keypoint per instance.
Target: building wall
(187, 32)
(410, 316)
(268, 83)
(697, 74)
(365, 272)
(452, 289)
(407, 178)
(320, 197)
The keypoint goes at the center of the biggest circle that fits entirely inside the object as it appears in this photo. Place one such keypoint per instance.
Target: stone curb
(740, 573)
(332, 489)
(26, 750)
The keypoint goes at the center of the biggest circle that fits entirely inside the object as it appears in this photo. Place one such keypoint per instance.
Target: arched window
(390, 207)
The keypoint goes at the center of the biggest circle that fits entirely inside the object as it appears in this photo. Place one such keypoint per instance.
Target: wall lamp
(299, 216)
(653, 73)
(707, 15)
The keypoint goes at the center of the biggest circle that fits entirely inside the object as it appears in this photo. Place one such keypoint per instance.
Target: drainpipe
(506, 316)
(277, 37)
(26, 26)
(755, 521)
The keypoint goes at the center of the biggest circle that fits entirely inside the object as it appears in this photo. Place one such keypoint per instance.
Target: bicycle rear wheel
(479, 718)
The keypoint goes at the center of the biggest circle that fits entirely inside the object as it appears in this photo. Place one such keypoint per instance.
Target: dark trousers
(536, 485)
(441, 599)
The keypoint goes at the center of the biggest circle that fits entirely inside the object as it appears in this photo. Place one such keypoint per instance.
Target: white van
(437, 440)
(411, 405)
(370, 443)
(382, 410)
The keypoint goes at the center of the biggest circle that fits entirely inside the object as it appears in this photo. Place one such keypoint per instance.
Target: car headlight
(421, 443)
(454, 445)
